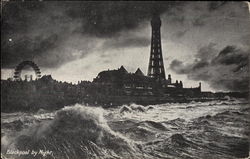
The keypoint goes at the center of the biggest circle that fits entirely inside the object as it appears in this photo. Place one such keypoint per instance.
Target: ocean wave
(174, 146)
(177, 122)
(125, 109)
(75, 132)
(133, 131)
(15, 125)
(153, 125)
(135, 108)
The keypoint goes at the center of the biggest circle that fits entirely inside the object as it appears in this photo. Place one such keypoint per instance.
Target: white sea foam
(130, 131)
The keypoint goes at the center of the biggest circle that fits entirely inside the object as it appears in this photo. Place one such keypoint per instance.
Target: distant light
(10, 39)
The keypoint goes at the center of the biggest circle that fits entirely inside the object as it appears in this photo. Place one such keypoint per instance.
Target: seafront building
(120, 82)
(108, 88)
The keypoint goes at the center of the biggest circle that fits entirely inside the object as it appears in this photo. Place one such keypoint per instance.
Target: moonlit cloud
(74, 41)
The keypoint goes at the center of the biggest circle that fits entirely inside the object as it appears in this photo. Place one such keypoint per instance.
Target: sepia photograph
(125, 79)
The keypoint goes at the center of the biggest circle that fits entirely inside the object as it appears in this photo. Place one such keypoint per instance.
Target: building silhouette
(110, 87)
(120, 82)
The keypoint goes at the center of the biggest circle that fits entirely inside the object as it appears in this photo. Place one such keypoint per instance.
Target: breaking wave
(134, 108)
(217, 129)
(75, 132)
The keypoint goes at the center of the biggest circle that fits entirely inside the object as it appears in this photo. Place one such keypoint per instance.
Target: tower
(156, 66)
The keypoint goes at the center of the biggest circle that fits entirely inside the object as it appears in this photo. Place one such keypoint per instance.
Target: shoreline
(114, 101)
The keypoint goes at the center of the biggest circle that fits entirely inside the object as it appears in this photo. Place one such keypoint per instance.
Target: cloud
(228, 70)
(108, 18)
(50, 33)
(127, 42)
(199, 21)
(178, 67)
(39, 32)
(180, 34)
(245, 40)
(207, 52)
(216, 5)
(66, 35)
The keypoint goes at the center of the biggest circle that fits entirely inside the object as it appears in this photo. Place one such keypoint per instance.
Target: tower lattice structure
(156, 67)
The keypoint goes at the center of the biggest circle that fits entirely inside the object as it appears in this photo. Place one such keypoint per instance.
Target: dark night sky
(202, 41)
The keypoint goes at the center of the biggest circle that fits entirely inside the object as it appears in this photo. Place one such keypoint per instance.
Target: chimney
(169, 79)
(26, 77)
(200, 86)
(181, 84)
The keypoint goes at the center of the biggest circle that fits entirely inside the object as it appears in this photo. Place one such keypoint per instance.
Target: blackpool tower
(156, 67)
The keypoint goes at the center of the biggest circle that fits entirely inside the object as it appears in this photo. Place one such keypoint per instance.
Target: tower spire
(156, 67)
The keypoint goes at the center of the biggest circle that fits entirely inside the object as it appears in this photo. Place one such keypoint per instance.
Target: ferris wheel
(19, 68)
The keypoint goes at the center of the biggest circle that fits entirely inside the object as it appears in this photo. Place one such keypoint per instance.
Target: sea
(195, 130)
